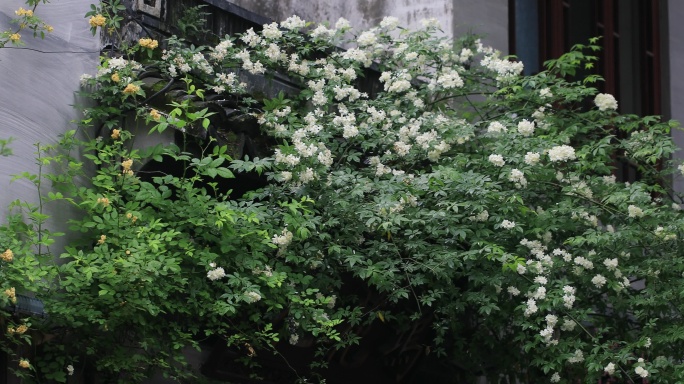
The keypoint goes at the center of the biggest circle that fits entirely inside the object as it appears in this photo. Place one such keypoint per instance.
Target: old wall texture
(37, 92)
(486, 17)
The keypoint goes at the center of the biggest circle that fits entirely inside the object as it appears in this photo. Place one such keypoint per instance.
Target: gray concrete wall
(485, 17)
(38, 93)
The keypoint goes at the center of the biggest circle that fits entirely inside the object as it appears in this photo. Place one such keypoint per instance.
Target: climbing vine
(457, 194)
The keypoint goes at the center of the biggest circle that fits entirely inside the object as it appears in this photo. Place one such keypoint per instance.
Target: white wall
(37, 92)
(486, 17)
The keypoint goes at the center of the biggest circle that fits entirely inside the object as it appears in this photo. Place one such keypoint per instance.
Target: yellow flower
(15, 37)
(7, 256)
(11, 294)
(116, 134)
(104, 201)
(148, 43)
(115, 77)
(127, 164)
(21, 329)
(131, 89)
(102, 240)
(23, 12)
(155, 114)
(23, 363)
(49, 28)
(97, 21)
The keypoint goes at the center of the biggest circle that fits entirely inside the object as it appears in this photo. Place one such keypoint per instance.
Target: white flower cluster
(577, 357)
(367, 38)
(599, 281)
(252, 297)
(532, 158)
(562, 153)
(526, 128)
(293, 23)
(606, 102)
(507, 224)
(516, 176)
(634, 211)
(216, 273)
(568, 296)
(482, 216)
(496, 127)
(506, 70)
(397, 82)
(497, 160)
(283, 240)
(609, 369)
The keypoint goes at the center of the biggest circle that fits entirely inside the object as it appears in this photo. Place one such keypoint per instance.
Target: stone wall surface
(485, 17)
(38, 84)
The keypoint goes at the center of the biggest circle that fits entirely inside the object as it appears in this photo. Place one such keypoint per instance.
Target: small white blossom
(507, 224)
(605, 102)
(532, 158)
(545, 93)
(555, 377)
(526, 128)
(513, 291)
(641, 372)
(609, 369)
(496, 127)
(577, 357)
(216, 274)
(497, 160)
(70, 370)
(562, 153)
(635, 211)
(599, 281)
(252, 297)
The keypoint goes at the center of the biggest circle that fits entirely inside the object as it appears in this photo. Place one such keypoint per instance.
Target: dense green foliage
(462, 194)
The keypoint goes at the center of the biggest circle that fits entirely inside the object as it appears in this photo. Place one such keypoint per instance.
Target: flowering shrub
(460, 193)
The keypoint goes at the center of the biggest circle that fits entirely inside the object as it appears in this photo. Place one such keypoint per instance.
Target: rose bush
(457, 191)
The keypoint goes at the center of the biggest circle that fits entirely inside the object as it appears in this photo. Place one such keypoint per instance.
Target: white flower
(342, 23)
(70, 369)
(562, 153)
(518, 178)
(506, 224)
(641, 372)
(578, 357)
(497, 160)
(513, 291)
(216, 274)
(611, 264)
(389, 22)
(609, 369)
(635, 211)
(531, 307)
(532, 158)
(293, 22)
(568, 325)
(539, 294)
(496, 127)
(555, 377)
(599, 281)
(551, 320)
(544, 93)
(605, 102)
(540, 280)
(271, 31)
(526, 128)
(367, 38)
(647, 343)
(252, 297)
(521, 269)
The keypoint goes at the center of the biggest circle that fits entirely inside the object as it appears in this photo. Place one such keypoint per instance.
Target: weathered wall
(38, 92)
(486, 17)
